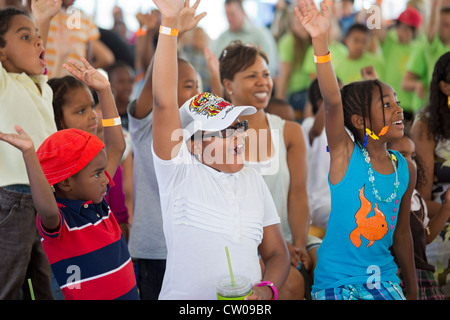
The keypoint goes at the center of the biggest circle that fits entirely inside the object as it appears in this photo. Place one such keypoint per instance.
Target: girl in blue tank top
(371, 187)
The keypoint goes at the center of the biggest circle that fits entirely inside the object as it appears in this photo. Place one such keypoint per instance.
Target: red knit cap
(66, 152)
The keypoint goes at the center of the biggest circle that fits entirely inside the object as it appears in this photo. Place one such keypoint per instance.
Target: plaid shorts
(428, 286)
(385, 290)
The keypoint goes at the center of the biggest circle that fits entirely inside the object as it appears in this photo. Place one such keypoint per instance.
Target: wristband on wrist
(140, 32)
(168, 31)
(322, 59)
(111, 122)
(271, 285)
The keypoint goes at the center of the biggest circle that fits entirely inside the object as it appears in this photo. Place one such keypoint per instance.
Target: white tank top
(275, 172)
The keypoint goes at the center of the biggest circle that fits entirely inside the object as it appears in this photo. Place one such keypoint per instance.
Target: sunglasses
(228, 132)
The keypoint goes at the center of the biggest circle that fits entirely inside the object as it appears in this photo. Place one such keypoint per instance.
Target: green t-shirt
(349, 70)
(396, 56)
(421, 63)
(300, 79)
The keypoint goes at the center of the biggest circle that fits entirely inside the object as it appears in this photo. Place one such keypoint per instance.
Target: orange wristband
(140, 32)
(322, 59)
(168, 31)
(111, 122)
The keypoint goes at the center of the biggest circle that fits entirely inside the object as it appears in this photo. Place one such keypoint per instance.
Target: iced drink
(241, 289)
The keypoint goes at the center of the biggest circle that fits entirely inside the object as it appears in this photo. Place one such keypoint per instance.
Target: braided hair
(61, 87)
(357, 99)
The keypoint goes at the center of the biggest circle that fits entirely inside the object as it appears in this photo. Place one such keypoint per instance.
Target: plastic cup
(241, 289)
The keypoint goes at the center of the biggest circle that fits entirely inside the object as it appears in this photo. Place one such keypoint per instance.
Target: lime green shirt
(349, 70)
(300, 79)
(421, 63)
(396, 56)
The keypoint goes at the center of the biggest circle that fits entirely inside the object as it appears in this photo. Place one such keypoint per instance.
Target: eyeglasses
(228, 132)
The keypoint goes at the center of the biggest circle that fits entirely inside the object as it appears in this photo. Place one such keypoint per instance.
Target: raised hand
(188, 19)
(151, 20)
(169, 8)
(212, 61)
(315, 22)
(21, 140)
(88, 74)
(45, 9)
(369, 73)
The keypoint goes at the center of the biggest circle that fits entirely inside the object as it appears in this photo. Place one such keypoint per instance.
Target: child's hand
(369, 73)
(45, 9)
(21, 140)
(88, 74)
(170, 8)
(188, 20)
(316, 23)
(151, 21)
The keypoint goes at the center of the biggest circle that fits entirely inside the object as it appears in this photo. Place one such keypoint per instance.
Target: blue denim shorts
(384, 290)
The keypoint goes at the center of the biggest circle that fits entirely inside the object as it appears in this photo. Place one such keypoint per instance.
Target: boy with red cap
(81, 238)
(397, 45)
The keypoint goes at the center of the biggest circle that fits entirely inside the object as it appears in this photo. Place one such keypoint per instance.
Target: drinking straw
(229, 266)
(31, 289)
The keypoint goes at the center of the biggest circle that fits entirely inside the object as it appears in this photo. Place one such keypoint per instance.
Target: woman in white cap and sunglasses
(209, 200)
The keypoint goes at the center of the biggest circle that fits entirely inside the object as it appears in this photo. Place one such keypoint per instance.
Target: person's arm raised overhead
(114, 140)
(166, 119)
(339, 142)
(43, 12)
(188, 21)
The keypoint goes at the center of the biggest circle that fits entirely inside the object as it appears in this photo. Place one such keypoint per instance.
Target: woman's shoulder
(293, 127)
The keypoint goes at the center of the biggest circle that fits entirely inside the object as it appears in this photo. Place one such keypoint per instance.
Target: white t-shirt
(318, 169)
(275, 172)
(204, 211)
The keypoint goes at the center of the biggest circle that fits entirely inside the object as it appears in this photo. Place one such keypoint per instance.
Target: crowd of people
(316, 150)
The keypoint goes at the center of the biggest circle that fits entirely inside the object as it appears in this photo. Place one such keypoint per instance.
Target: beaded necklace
(372, 178)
